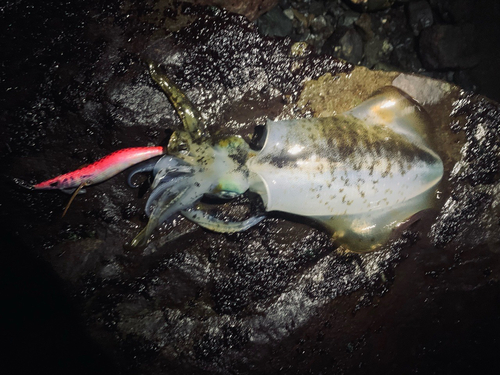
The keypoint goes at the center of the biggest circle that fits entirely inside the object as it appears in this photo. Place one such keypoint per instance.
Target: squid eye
(258, 138)
(168, 135)
(180, 142)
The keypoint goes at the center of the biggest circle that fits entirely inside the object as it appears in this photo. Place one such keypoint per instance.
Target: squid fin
(369, 231)
(399, 112)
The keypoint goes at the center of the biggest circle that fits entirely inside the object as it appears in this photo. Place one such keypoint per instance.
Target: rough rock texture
(447, 46)
(457, 49)
(248, 8)
(370, 5)
(278, 297)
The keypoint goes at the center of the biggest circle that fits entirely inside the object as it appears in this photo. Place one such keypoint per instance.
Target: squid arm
(191, 118)
(210, 222)
(179, 194)
(146, 167)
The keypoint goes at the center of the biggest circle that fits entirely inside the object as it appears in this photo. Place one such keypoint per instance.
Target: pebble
(454, 11)
(274, 23)
(430, 37)
(349, 18)
(419, 16)
(372, 5)
(351, 46)
(318, 24)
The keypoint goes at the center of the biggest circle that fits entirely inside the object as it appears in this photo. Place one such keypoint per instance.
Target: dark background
(41, 328)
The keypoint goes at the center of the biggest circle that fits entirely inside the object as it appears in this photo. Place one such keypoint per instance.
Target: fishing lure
(97, 172)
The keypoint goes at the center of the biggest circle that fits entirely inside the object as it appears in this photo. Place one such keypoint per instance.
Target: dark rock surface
(371, 5)
(419, 15)
(277, 298)
(248, 8)
(444, 39)
(447, 46)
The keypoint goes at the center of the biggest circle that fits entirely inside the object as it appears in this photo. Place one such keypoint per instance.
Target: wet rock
(464, 79)
(319, 24)
(289, 13)
(419, 15)
(351, 46)
(475, 176)
(303, 18)
(347, 44)
(364, 23)
(280, 296)
(397, 27)
(371, 5)
(448, 46)
(349, 18)
(376, 50)
(274, 23)
(454, 11)
(404, 56)
(251, 9)
(317, 8)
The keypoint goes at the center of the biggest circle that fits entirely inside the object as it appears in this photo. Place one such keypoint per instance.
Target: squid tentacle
(164, 176)
(166, 206)
(166, 165)
(146, 167)
(205, 220)
(169, 162)
(173, 184)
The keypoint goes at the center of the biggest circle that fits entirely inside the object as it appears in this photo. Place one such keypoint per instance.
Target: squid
(359, 175)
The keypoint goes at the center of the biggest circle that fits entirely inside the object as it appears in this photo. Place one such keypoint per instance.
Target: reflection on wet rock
(280, 296)
(476, 191)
